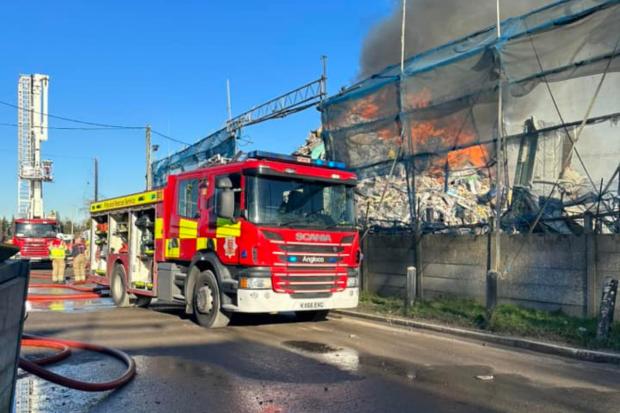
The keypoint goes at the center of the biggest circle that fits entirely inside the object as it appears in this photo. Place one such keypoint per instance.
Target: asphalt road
(276, 364)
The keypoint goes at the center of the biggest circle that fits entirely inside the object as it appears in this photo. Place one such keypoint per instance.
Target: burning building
(424, 140)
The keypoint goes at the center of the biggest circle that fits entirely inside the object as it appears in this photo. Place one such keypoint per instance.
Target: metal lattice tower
(24, 149)
(31, 131)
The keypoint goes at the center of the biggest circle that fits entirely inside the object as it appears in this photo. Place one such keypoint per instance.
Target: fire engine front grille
(309, 267)
(315, 282)
(34, 250)
(328, 279)
(305, 269)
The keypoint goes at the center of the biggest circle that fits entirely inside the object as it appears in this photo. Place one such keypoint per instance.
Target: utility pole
(149, 178)
(324, 77)
(495, 270)
(228, 104)
(96, 179)
(410, 168)
(499, 149)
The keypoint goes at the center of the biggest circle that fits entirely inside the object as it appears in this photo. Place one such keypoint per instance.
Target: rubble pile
(313, 146)
(394, 211)
(573, 184)
(465, 200)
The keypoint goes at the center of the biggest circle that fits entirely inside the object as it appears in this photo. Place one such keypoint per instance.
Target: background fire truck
(32, 236)
(270, 233)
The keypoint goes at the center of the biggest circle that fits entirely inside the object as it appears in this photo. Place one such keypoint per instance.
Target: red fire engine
(271, 233)
(33, 236)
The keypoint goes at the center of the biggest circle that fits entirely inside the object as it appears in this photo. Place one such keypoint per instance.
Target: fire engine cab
(270, 233)
(33, 236)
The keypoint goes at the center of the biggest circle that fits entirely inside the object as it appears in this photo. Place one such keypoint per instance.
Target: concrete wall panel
(547, 272)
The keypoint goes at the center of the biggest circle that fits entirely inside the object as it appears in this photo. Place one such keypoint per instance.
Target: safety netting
(220, 143)
(424, 140)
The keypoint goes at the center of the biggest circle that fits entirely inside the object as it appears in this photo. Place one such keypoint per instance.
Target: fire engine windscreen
(290, 202)
(35, 230)
(439, 118)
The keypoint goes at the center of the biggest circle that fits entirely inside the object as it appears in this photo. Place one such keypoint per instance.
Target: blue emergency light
(296, 159)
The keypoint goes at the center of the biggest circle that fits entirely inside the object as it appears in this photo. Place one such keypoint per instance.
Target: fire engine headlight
(352, 282)
(251, 283)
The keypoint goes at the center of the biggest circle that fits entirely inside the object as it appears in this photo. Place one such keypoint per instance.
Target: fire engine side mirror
(225, 198)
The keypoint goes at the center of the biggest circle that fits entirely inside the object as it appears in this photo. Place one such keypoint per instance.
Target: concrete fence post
(410, 287)
(419, 267)
(491, 290)
(608, 305)
(492, 273)
(592, 281)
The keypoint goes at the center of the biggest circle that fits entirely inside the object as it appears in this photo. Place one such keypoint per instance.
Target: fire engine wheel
(206, 302)
(316, 315)
(117, 287)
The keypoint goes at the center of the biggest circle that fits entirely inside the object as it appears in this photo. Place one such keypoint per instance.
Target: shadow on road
(236, 320)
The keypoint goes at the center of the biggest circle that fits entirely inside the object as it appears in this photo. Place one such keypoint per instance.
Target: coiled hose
(35, 366)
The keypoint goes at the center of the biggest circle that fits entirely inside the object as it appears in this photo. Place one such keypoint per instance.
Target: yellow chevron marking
(226, 228)
(201, 243)
(159, 228)
(188, 229)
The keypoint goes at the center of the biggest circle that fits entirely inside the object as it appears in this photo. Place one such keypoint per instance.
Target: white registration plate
(312, 305)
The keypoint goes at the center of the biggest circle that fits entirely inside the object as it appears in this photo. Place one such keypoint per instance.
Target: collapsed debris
(463, 201)
(313, 146)
(394, 211)
(461, 198)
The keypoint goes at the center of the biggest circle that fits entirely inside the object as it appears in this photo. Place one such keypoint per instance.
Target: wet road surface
(276, 364)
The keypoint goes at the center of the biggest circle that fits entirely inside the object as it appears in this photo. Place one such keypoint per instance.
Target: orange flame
(437, 136)
(419, 100)
(445, 134)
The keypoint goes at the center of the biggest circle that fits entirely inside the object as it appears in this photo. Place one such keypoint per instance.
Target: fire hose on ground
(86, 293)
(64, 347)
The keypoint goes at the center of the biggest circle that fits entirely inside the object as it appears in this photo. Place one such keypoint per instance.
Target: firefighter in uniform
(57, 255)
(79, 260)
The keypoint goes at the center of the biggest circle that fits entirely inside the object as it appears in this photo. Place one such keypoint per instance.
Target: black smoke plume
(431, 23)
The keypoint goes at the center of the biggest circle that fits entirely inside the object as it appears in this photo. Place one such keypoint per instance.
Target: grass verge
(506, 319)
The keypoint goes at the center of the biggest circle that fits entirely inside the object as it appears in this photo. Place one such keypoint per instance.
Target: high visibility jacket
(57, 250)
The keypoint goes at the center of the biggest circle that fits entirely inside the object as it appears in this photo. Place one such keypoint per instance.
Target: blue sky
(165, 63)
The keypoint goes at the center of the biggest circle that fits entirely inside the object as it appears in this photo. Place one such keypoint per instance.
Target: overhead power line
(169, 137)
(93, 125)
(14, 125)
(83, 122)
